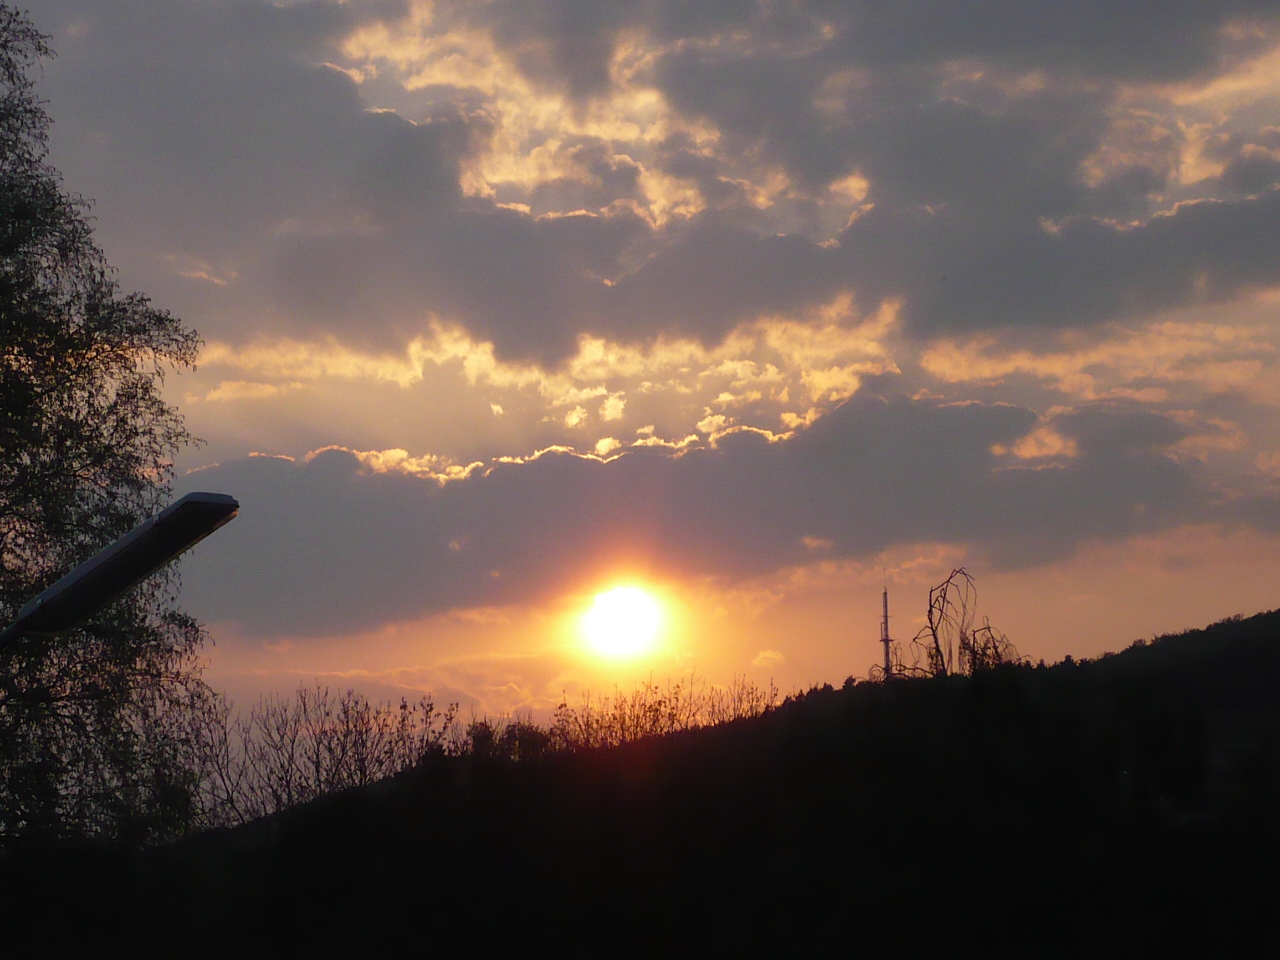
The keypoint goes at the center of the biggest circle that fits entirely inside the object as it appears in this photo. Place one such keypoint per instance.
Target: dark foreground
(1129, 805)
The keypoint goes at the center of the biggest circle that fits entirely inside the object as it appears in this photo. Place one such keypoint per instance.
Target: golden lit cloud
(1137, 138)
(535, 129)
(768, 659)
(1040, 443)
(1208, 435)
(1257, 77)
(245, 390)
(1141, 364)
(1186, 134)
(852, 188)
(613, 407)
(439, 469)
(786, 370)
(194, 268)
(833, 384)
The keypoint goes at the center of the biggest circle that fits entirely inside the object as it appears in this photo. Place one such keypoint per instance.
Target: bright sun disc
(623, 622)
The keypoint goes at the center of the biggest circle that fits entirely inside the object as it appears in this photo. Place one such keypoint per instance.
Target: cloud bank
(813, 278)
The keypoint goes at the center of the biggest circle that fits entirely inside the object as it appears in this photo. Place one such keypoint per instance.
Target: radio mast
(884, 635)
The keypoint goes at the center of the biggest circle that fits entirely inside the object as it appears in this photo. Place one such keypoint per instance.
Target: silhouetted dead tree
(949, 643)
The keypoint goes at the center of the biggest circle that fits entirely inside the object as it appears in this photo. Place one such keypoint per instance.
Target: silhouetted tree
(289, 750)
(94, 728)
(950, 643)
(654, 711)
(507, 738)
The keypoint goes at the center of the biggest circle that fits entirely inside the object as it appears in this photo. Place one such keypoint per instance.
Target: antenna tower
(884, 635)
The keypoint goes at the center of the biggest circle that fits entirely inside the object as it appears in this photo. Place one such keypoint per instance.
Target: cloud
(700, 243)
(956, 275)
(631, 171)
(572, 40)
(1193, 357)
(230, 390)
(328, 544)
(768, 659)
(443, 387)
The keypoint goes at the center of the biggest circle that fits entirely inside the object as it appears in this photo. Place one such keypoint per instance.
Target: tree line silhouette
(289, 750)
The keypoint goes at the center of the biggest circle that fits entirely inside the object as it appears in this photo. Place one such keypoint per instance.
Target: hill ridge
(1129, 800)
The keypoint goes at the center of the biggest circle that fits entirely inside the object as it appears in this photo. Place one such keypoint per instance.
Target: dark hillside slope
(1129, 804)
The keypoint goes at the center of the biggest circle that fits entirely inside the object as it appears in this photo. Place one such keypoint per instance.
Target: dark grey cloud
(712, 275)
(325, 547)
(956, 270)
(247, 186)
(761, 86)
(1251, 161)
(1143, 40)
(565, 44)
(572, 40)
(1252, 173)
(533, 286)
(209, 121)
(958, 274)
(209, 135)
(1104, 432)
(1020, 162)
(528, 285)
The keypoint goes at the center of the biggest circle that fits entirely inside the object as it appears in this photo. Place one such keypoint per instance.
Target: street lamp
(127, 562)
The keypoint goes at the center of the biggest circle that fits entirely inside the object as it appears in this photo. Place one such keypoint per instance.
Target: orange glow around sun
(623, 622)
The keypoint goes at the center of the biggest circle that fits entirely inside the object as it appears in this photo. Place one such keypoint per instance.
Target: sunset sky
(753, 306)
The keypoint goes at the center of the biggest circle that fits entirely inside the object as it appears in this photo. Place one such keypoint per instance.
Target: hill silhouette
(1123, 805)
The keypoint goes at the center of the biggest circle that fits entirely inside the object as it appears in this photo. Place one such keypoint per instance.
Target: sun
(623, 622)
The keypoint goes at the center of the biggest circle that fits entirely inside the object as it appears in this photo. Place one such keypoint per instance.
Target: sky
(760, 306)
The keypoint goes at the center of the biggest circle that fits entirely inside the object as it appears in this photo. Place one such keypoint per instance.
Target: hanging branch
(949, 643)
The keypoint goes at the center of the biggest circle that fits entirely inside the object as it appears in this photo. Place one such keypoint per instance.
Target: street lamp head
(127, 562)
